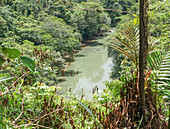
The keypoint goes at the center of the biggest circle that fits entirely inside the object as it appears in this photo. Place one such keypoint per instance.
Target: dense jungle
(85, 64)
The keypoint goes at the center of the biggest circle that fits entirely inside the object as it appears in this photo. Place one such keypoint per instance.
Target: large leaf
(160, 62)
(127, 42)
(155, 58)
(28, 62)
(11, 53)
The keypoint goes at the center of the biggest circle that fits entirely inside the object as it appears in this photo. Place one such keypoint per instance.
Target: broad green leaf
(28, 62)
(11, 53)
(5, 79)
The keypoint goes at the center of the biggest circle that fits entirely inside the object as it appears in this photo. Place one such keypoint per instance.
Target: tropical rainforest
(39, 40)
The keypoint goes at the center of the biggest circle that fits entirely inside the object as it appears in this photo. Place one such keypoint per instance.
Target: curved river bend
(90, 69)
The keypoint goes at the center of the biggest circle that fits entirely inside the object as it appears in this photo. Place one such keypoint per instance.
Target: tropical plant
(159, 62)
(6, 55)
(9, 53)
(127, 43)
(129, 46)
(89, 21)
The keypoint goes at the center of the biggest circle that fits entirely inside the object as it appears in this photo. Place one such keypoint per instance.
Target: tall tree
(143, 52)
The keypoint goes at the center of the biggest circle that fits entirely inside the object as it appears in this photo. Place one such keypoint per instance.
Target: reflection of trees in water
(91, 64)
(92, 68)
(97, 77)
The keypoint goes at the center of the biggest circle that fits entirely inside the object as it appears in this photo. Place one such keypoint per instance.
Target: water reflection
(94, 66)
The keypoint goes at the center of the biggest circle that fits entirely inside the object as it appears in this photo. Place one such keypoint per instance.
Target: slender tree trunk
(143, 53)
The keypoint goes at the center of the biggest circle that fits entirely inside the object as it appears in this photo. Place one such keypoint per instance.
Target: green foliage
(87, 22)
(86, 109)
(28, 62)
(127, 43)
(55, 110)
(60, 10)
(4, 79)
(114, 87)
(159, 63)
(119, 5)
(154, 59)
(3, 26)
(2, 124)
(93, 18)
(159, 22)
(15, 53)
(140, 123)
(6, 21)
(10, 53)
(157, 73)
(63, 36)
(46, 30)
(28, 28)
(50, 107)
(30, 7)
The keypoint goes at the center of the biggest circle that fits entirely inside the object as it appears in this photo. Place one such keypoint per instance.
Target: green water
(93, 67)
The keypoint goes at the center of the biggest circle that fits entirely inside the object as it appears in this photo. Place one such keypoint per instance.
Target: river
(91, 68)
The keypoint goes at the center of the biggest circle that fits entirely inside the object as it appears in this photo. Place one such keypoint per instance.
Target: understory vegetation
(36, 37)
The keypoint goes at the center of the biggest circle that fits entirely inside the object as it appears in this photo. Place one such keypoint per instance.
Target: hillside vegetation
(39, 37)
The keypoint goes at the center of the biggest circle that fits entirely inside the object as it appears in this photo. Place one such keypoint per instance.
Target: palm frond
(155, 59)
(160, 62)
(127, 42)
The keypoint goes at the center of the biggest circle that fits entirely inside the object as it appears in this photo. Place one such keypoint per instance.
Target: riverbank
(91, 68)
(88, 42)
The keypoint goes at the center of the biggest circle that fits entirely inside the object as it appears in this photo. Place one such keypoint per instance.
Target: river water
(91, 68)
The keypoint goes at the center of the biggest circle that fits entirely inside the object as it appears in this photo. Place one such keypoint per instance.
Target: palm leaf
(127, 42)
(160, 61)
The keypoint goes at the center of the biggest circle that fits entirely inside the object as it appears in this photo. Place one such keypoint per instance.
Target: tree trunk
(143, 53)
